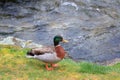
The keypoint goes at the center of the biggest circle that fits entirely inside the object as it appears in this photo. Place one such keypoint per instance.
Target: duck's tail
(30, 54)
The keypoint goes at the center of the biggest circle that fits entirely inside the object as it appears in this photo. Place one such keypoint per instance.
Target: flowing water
(91, 26)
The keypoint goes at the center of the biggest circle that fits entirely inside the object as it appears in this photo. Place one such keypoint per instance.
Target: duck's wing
(42, 50)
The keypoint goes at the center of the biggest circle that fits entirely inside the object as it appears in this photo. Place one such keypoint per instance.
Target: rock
(19, 42)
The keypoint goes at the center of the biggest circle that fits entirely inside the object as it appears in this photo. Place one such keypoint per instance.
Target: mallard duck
(49, 55)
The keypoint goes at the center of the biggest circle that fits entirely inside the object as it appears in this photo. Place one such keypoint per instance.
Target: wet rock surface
(91, 26)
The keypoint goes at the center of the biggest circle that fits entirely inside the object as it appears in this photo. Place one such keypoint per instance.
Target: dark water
(92, 27)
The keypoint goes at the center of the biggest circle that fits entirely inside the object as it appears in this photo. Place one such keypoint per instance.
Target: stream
(91, 26)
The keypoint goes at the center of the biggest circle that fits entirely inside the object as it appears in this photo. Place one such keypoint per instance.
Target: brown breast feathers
(60, 52)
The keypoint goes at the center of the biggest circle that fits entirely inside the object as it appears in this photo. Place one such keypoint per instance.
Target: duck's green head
(58, 39)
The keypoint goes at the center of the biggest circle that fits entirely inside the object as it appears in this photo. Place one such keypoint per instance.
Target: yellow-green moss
(15, 66)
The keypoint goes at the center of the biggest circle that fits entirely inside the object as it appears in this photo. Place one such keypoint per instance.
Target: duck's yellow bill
(65, 41)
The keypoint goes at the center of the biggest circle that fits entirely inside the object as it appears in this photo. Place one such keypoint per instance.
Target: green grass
(94, 68)
(15, 66)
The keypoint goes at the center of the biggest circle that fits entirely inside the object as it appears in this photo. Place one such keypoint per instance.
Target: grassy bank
(15, 66)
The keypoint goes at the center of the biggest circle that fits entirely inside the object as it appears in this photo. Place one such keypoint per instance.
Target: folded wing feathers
(42, 50)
